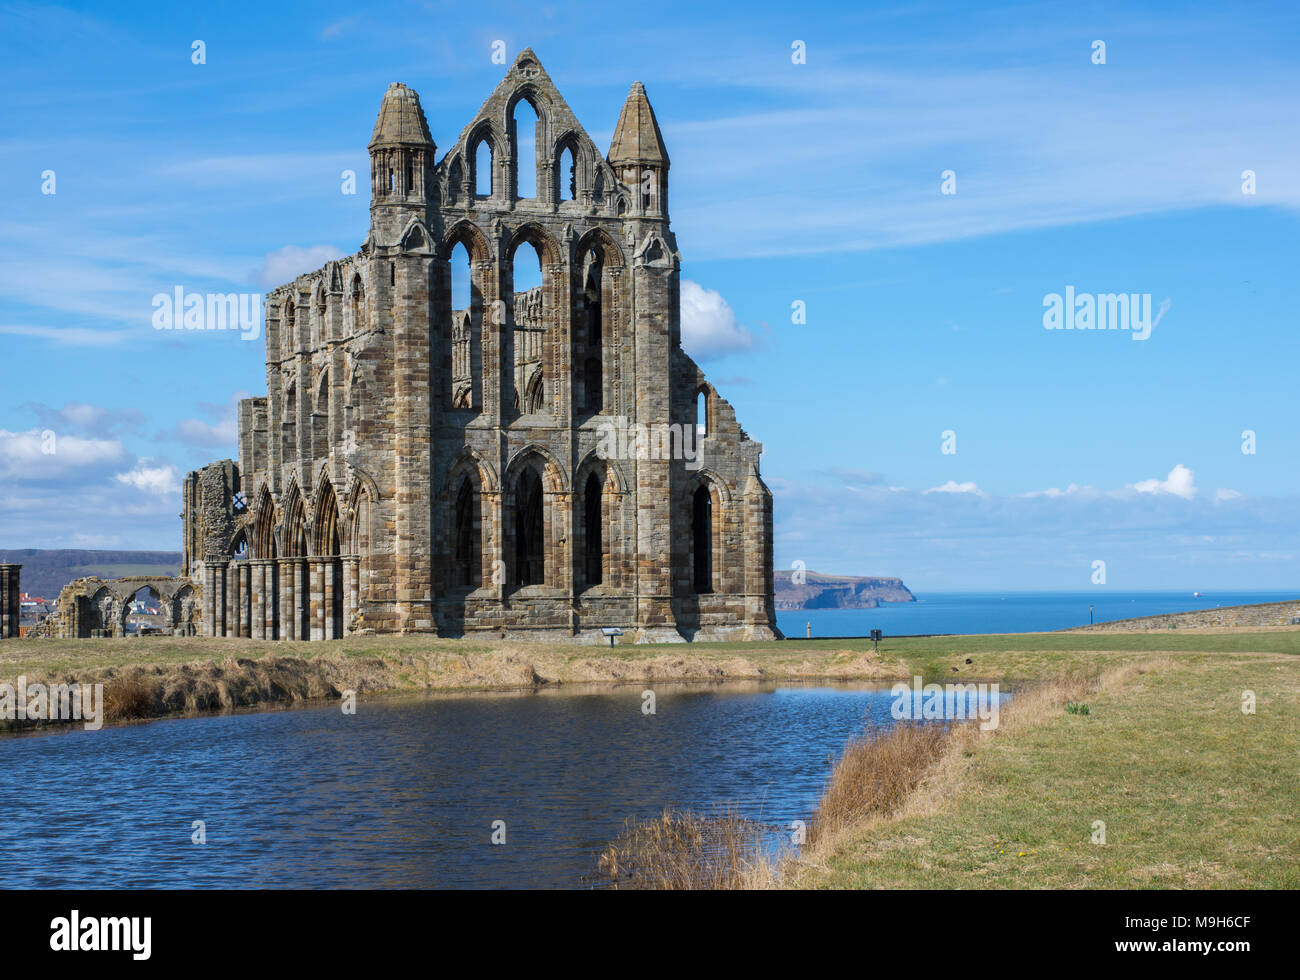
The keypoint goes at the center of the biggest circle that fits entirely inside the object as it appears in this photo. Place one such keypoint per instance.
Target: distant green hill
(46, 572)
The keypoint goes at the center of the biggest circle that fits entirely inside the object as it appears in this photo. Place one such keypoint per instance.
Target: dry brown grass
(127, 698)
(684, 850)
(876, 774)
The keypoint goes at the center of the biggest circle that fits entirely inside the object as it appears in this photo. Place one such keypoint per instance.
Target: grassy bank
(1193, 792)
(158, 676)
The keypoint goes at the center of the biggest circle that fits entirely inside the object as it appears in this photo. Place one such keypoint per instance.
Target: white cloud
(1069, 491)
(286, 264)
(1181, 482)
(1223, 494)
(159, 480)
(952, 486)
(709, 324)
(37, 455)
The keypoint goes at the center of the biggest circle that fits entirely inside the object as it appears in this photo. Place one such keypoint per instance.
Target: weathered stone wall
(98, 607)
(419, 468)
(1261, 614)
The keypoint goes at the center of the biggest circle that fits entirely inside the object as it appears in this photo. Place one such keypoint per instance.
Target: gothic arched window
(593, 532)
(530, 552)
(702, 539)
(465, 548)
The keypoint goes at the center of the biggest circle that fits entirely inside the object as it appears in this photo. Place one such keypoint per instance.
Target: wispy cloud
(70, 336)
(287, 263)
(858, 165)
(86, 419)
(338, 28)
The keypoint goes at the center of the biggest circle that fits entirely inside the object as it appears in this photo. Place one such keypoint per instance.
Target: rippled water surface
(404, 793)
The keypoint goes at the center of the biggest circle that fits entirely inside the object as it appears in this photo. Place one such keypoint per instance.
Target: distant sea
(1006, 612)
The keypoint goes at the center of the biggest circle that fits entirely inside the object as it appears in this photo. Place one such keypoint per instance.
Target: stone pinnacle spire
(401, 119)
(637, 139)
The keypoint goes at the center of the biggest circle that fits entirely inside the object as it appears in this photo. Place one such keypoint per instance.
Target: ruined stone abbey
(424, 462)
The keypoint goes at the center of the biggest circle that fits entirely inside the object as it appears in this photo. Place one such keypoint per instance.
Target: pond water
(405, 792)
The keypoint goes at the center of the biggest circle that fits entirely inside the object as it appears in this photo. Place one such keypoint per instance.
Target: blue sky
(817, 182)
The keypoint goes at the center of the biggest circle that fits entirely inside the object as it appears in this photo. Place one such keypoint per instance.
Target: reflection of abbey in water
(425, 458)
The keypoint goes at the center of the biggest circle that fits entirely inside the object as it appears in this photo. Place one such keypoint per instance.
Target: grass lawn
(1015, 656)
(1193, 792)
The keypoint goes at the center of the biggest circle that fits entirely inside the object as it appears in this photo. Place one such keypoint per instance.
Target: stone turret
(638, 156)
(401, 165)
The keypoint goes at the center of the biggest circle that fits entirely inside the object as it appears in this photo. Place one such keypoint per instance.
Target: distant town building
(33, 609)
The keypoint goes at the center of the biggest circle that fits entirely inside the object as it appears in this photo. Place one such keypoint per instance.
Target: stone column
(492, 537)
(300, 597)
(259, 600)
(352, 584)
(250, 598)
(654, 295)
(288, 599)
(268, 600)
(316, 605)
(260, 582)
(274, 592)
(412, 571)
(232, 600)
(222, 598)
(329, 567)
(245, 599)
(559, 548)
(209, 590)
(209, 601)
